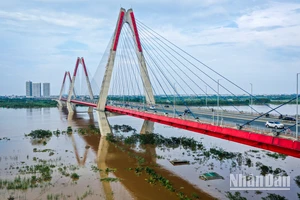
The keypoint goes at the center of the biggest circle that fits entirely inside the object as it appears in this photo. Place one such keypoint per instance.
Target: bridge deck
(276, 144)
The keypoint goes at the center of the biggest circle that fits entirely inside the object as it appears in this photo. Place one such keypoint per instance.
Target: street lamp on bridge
(206, 95)
(174, 98)
(218, 106)
(297, 108)
(251, 100)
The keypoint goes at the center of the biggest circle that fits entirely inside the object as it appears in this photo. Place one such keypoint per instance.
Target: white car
(152, 108)
(270, 124)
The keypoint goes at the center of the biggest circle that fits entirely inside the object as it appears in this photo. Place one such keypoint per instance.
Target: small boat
(180, 162)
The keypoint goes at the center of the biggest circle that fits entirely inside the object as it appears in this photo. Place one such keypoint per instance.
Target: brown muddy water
(82, 154)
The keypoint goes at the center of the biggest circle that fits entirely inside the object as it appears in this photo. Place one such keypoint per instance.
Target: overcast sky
(249, 41)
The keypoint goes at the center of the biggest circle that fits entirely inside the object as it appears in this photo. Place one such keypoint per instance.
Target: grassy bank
(27, 103)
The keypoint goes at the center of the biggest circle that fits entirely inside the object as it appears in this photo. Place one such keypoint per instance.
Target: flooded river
(96, 160)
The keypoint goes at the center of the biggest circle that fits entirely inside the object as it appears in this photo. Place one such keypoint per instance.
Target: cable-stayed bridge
(147, 76)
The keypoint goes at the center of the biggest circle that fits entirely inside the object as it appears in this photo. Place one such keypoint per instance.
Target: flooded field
(76, 163)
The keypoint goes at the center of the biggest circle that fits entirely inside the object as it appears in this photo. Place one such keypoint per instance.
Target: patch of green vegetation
(57, 133)
(93, 129)
(158, 140)
(74, 176)
(86, 194)
(82, 131)
(69, 130)
(297, 180)
(53, 196)
(44, 150)
(264, 170)
(195, 195)
(17, 183)
(248, 162)
(159, 157)
(44, 170)
(39, 134)
(222, 154)
(235, 196)
(254, 151)
(26, 103)
(5, 138)
(276, 155)
(273, 197)
(154, 177)
(123, 128)
(107, 170)
(95, 169)
(109, 179)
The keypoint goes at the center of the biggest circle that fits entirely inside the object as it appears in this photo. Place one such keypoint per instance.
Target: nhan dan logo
(251, 182)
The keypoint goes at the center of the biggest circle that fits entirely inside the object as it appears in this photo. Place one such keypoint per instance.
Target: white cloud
(278, 14)
(54, 18)
(276, 26)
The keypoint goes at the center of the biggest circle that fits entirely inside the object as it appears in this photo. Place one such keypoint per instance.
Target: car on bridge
(152, 107)
(272, 124)
(289, 118)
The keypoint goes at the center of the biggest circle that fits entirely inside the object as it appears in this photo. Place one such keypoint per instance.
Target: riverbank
(27, 103)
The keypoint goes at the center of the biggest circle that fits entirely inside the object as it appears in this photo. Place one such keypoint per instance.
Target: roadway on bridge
(206, 115)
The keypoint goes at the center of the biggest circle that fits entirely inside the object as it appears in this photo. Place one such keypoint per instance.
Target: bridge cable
(143, 69)
(202, 64)
(180, 77)
(197, 75)
(133, 47)
(130, 58)
(124, 54)
(170, 84)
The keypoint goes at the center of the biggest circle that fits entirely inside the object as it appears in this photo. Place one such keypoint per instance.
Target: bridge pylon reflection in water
(112, 191)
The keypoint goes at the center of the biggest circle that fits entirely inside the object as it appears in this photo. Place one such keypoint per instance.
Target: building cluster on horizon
(35, 89)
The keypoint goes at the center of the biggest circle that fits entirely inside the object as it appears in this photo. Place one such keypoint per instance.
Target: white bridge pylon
(71, 89)
(125, 17)
(67, 73)
(63, 84)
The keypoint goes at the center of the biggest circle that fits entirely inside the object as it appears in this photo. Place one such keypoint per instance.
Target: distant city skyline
(35, 89)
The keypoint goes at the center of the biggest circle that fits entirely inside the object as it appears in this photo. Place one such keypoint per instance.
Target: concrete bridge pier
(71, 107)
(59, 103)
(148, 127)
(103, 123)
(90, 110)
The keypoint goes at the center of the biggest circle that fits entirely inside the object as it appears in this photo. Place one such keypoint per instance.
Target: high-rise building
(28, 88)
(46, 89)
(36, 89)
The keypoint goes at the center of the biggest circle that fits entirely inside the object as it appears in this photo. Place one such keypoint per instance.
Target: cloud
(279, 14)
(275, 26)
(53, 18)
